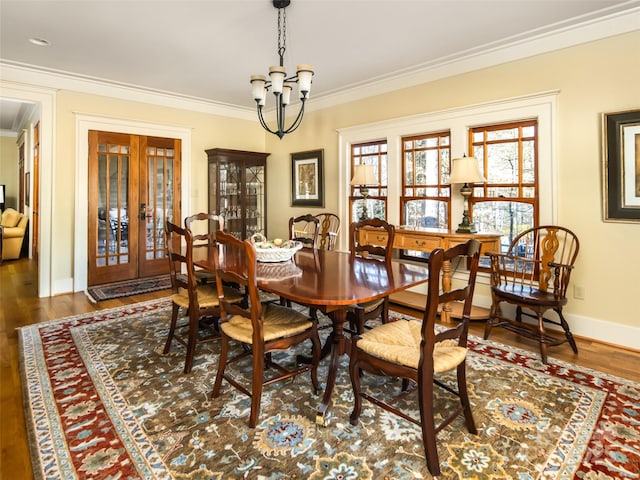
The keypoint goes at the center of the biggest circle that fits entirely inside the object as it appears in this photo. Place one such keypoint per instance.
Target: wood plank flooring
(20, 306)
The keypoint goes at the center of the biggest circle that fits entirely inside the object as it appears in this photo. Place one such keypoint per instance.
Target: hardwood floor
(20, 306)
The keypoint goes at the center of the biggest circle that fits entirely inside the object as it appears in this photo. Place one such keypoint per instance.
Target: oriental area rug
(103, 402)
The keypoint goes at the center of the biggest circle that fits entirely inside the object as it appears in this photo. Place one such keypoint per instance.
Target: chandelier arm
(280, 115)
(263, 123)
(296, 123)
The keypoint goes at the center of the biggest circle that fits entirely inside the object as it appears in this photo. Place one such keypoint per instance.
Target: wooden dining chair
(199, 303)
(417, 352)
(534, 275)
(304, 229)
(203, 228)
(362, 246)
(261, 328)
(329, 229)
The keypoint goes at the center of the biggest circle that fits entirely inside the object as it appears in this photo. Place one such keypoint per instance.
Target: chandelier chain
(282, 34)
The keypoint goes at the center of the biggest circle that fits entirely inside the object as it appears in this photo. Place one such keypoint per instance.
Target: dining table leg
(338, 348)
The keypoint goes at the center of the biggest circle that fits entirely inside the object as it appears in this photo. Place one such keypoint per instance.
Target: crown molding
(29, 74)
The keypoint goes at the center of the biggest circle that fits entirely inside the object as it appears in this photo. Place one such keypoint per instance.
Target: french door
(134, 187)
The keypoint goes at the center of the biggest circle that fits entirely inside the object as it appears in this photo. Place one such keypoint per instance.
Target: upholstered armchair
(14, 225)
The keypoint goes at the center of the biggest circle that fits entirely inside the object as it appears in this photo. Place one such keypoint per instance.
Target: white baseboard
(62, 286)
(626, 336)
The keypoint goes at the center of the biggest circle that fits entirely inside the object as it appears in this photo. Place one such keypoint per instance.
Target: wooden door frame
(84, 123)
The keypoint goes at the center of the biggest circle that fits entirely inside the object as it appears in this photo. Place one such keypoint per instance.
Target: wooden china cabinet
(237, 190)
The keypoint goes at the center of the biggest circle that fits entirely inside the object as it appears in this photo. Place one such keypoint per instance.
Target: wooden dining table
(331, 281)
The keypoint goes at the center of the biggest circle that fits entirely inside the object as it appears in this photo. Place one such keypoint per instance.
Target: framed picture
(621, 166)
(307, 188)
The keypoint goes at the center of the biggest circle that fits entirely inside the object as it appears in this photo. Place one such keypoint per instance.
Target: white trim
(458, 120)
(86, 122)
(45, 98)
(33, 75)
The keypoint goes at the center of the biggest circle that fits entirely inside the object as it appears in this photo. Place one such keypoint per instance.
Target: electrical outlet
(578, 292)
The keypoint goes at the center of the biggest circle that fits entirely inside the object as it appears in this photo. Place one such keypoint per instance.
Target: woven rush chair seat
(399, 342)
(277, 322)
(370, 306)
(207, 296)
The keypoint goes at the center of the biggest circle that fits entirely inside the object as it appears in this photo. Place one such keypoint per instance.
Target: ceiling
(208, 49)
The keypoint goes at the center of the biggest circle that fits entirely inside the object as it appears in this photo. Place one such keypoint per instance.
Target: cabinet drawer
(372, 238)
(420, 243)
(486, 245)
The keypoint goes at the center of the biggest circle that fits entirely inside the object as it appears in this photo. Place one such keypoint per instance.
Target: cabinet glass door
(255, 201)
(231, 198)
(237, 190)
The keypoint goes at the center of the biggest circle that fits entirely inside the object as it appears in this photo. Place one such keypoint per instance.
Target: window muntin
(370, 153)
(508, 157)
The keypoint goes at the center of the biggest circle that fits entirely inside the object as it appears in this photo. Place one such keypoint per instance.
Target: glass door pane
(255, 200)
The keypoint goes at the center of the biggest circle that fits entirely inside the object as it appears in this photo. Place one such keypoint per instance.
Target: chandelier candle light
(465, 170)
(278, 82)
(364, 177)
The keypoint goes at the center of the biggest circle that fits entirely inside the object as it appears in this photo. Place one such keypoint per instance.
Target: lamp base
(467, 228)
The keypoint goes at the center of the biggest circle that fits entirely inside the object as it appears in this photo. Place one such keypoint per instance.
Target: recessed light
(41, 42)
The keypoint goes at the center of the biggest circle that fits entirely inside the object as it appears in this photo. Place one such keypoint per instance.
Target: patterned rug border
(150, 465)
(109, 291)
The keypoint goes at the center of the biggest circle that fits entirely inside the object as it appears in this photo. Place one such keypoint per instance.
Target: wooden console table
(425, 240)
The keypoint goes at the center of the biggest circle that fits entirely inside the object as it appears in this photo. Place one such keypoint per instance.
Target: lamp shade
(466, 170)
(364, 175)
(2, 194)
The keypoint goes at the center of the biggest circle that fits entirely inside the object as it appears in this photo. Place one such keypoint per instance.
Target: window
(426, 194)
(375, 205)
(508, 158)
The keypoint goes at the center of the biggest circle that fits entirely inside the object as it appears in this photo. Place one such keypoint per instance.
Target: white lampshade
(277, 75)
(364, 175)
(258, 89)
(304, 73)
(466, 170)
(1, 193)
(286, 93)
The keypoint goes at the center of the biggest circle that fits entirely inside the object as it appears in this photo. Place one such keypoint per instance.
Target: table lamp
(2, 198)
(465, 170)
(364, 177)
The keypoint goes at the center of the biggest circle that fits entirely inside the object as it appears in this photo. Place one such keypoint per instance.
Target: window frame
(375, 193)
(441, 184)
(520, 184)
